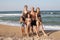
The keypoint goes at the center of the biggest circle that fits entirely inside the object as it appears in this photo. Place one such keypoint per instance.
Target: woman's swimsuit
(24, 16)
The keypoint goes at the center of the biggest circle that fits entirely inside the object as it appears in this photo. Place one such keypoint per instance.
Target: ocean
(50, 19)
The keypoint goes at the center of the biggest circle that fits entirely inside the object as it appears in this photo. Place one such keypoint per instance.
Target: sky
(17, 5)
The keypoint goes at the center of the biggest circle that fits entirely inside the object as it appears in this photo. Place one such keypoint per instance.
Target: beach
(9, 32)
(29, 20)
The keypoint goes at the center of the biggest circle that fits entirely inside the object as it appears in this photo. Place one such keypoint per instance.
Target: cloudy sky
(17, 5)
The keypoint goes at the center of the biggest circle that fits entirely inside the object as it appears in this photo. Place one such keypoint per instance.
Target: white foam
(50, 15)
(2, 15)
(49, 27)
(10, 23)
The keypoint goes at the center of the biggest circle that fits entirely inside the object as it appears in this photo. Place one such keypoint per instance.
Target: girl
(39, 21)
(28, 23)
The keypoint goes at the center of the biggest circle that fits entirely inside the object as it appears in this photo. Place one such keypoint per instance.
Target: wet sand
(14, 33)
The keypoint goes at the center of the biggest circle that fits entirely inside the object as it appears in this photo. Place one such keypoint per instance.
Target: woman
(39, 21)
(24, 15)
(38, 18)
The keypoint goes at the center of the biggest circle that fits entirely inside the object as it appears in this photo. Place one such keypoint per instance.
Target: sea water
(50, 19)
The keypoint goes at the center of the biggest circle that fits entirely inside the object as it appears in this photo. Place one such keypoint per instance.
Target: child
(28, 23)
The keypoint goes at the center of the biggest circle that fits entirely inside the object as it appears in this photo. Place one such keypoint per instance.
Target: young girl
(28, 23)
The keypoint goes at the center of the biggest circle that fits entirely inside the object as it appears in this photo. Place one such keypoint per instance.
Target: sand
(14, 33)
